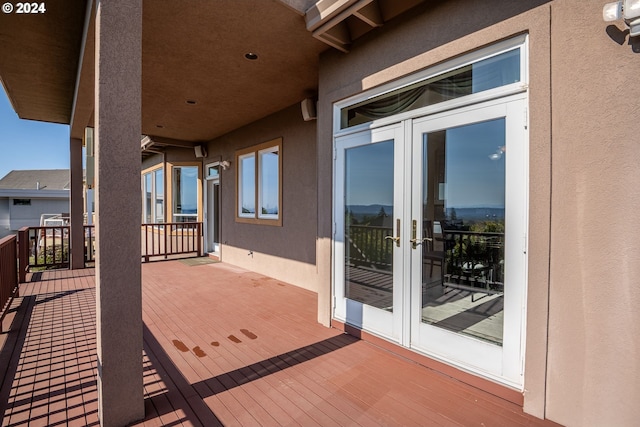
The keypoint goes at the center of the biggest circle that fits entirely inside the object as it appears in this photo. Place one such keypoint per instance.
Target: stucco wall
(582, 335)
(288, 252)
(594, 325)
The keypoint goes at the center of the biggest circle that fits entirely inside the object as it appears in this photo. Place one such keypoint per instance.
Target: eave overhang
(339, 22)
(39, 59)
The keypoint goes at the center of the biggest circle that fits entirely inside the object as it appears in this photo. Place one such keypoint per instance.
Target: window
(153, 196)
(259, 178)
(185, 184)
(477, 76)
(21, 202)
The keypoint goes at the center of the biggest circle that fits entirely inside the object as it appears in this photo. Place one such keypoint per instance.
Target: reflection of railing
(474, 260)
(161, 240)
(8, 273)
(368, 247)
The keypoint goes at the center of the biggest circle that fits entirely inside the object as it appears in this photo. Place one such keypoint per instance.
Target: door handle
(414, 234)
(397, 238)
(416, 242)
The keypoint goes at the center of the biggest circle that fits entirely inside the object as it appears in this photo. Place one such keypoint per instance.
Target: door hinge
(335, 154)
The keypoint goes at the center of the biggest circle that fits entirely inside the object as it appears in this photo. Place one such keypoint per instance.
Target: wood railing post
(23, 254)
(8, 274)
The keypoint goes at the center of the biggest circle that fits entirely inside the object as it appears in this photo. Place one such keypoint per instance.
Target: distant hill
(464, 214)
(370, 209)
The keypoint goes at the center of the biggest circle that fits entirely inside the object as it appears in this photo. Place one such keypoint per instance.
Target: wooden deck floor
(222, 346)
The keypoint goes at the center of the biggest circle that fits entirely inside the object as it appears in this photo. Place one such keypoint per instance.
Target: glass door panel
(368, 218)
(468, 264)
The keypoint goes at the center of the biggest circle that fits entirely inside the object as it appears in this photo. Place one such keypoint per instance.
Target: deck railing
(8, 273)
(169, 239)
(89, 245)
(45, 247)
(49, 247)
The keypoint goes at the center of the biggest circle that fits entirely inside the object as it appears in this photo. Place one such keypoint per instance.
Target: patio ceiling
(191, 52)
(197, 83)
(197, 55)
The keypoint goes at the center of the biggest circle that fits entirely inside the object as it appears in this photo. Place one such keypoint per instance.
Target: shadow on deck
(222, 346)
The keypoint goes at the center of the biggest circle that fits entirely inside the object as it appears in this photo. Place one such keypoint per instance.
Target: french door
(368, 220)
(430, 235)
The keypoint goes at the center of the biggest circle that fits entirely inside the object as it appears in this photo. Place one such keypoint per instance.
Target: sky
(27, 144)
(473, 179)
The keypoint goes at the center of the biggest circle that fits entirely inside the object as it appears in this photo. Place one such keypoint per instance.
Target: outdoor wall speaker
(308, 107)
(200, 151)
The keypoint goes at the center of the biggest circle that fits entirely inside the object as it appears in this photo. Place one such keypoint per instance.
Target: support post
(76, 208)
(23, 254)
(118, 207)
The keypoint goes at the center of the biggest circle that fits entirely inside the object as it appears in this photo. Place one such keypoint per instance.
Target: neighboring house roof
(51, 179)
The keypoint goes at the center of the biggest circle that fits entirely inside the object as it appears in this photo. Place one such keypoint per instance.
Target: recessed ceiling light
(251, 56)
(191, 102)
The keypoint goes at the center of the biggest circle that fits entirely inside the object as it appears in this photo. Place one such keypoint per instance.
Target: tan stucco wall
(594, 325)
(582, 332)
(287, 253)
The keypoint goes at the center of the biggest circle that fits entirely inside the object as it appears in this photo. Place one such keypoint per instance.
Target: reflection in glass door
(463, 225)
(368, 226)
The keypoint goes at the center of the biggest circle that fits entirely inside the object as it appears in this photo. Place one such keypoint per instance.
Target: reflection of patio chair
(433, 248)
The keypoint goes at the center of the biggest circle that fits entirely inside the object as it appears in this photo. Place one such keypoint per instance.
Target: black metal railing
(474, 260)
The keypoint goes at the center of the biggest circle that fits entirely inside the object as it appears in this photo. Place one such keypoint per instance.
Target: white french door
(368, 231)
(430, 235)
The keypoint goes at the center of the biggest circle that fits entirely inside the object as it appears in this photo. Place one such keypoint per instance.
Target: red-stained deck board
(223, 346)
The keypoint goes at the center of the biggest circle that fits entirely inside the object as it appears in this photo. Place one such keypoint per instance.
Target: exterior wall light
(629, 10)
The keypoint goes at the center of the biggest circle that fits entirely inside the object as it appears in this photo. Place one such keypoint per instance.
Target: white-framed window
(488, 73)
(259, 183)
(153, 196)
